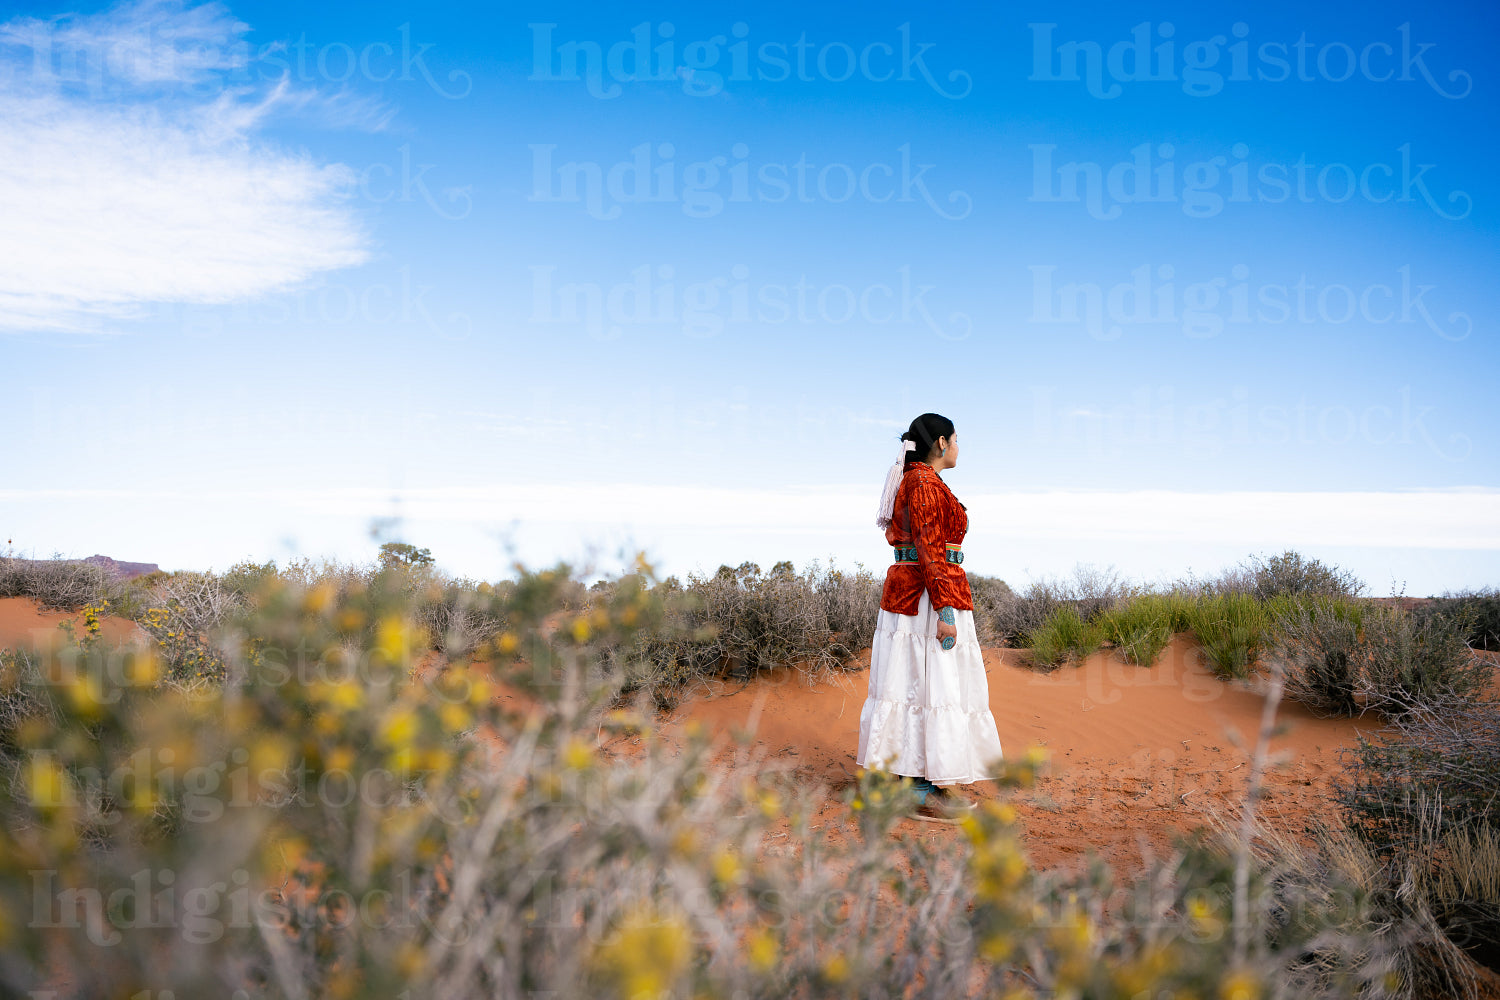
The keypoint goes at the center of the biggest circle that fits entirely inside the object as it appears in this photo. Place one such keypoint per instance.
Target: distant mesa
(122, 570)
(113, 567)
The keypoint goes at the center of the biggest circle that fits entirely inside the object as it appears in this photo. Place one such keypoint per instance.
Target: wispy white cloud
(134, 174)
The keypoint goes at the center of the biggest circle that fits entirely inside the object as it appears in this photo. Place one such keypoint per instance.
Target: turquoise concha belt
(907, 554)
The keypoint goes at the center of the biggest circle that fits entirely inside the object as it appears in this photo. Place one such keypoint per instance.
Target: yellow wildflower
(395, 638)
(455, 718)
(144, 669)
(48, 781)
(341, 758)
(727, 868)
(762, 949)
(577, 754)
(480, 692)
(399, 728)
(685, 841)
(646, 954)
(346, 695)
(1240, 985)
(319, 598)
(86, 696)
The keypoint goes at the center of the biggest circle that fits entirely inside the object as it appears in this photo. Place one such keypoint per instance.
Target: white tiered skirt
(927, 713)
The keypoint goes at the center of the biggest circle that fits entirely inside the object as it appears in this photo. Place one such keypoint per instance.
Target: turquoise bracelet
(947, 618)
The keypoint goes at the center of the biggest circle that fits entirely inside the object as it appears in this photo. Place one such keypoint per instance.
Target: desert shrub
(1461, 883)
(1293, 574)
(992, 598)
(1414, 660)
(446, 607)
(246, 576)
(1090, 592)
(1013, 617)
(1374, 928)
(187, 608)
(64, 584)
(22, 700)
(745, 621)
(1480, 609)
(132, 598)
(850, 604)
(1322, 652)
(1262, 577)
(1420, 797)
(1443, 758)
(1230, 627)
(1141, 627)
(1065, 636)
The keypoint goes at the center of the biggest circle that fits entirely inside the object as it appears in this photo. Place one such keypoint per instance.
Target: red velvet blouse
(928, 516)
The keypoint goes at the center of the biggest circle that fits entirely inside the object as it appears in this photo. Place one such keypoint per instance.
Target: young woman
(927, 714)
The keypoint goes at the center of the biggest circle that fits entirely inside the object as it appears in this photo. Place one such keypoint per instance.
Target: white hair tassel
(886, 510)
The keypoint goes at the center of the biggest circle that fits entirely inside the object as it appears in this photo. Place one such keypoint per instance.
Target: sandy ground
(23, 622)
(1137, 753)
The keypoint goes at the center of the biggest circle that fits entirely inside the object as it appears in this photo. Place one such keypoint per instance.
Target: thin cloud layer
(1462, 518)
(133, 175)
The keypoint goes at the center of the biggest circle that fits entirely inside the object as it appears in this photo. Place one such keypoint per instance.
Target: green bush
(1444, 756)
(1230, 627)
(1015, 619)
(1065, 636)
(1322, 650)
(744, 621)
(1141, 627)
(1420, 796)
(1480, 609)
(63, 584)
(1290, 573)
(1415, 660)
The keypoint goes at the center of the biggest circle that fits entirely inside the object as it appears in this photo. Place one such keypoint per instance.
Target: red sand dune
(23, 622)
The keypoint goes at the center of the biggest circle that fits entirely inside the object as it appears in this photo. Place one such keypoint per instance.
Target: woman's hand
(947, 629)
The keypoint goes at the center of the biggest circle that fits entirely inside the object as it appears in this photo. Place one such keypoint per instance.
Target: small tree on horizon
(401, 554)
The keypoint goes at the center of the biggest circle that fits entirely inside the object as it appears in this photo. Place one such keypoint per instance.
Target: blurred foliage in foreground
(321, 818)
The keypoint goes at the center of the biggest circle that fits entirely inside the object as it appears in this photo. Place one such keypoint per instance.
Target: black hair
(925, 430)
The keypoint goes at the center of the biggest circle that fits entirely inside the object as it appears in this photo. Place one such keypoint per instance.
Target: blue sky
(271, 271)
